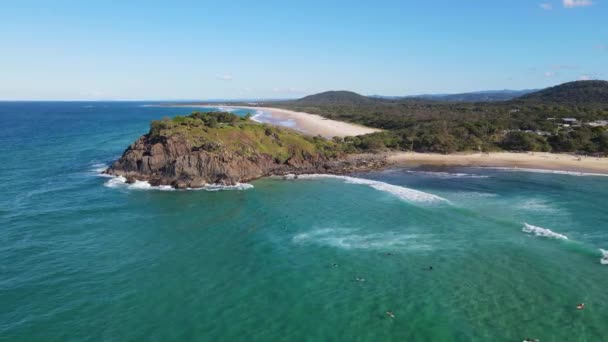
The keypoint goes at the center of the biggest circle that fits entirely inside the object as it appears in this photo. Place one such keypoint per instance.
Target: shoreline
(317, 125)
(542, 161)
(307, 123)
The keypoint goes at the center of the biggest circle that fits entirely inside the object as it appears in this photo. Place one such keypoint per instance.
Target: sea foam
(257, 116)
(351, 239)
(446, 175)
(544, 232)
(121, 182)
(404, 193)
(557, 172)
(225, 109)
(538, 205)
(604, 259)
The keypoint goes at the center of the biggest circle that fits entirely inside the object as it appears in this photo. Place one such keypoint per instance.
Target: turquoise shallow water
(280, 262)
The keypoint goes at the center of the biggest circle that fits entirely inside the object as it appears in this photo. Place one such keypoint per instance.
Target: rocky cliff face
(174, 161)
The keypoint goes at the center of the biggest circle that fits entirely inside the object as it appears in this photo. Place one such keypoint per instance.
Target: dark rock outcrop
(172, 161)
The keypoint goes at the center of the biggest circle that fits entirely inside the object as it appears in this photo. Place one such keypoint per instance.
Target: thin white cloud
(577, 3)
(550, 74)
(584, 78)
(225, 77)
(546, 6)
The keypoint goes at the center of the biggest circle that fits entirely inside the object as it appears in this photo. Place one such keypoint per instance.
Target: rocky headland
(222, 148)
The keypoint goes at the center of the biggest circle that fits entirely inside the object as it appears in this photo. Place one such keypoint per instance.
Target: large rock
(172, 161)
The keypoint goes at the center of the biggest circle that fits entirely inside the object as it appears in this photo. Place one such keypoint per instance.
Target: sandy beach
(317, 125)
(311, 123)
(530, 160)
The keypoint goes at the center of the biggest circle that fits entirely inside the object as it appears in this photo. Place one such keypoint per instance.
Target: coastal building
(598, 123)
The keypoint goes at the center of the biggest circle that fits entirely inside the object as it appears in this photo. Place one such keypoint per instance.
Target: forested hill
(340, 97)
(577, 93)
(533, 122)
(477, 96)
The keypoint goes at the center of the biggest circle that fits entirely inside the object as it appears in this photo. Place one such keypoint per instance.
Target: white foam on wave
(604, 259)
(225, 109)
(475, 194)
(257, 116)
(404, 193)
(351, 239)
(557, 172)
(99, 167)
(121, 182)
(538, 205)
(266, 117)
(220, 187)
(543, 232)
(447, 175)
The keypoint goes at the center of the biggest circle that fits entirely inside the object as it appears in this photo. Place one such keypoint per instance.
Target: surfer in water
(580, 306)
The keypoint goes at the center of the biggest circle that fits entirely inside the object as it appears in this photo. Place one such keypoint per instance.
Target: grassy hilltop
(229, 133)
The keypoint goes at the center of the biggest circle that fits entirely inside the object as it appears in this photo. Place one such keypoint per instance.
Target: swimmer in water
(390, 314)
(430, 268)
(359, 279)
(334, 265)
(581, 306)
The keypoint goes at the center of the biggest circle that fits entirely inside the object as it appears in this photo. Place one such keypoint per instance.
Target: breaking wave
(537, 205)
(257, 116)
(266, 117)
(544, 232)
(557, 172)
(225, 109)
(475, 194)
(121, 182)
(404, 193)
(351, 239)
(447, 175)
(220, 187)
(99, 167)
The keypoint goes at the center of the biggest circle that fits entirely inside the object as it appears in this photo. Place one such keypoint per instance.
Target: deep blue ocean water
(312, 259)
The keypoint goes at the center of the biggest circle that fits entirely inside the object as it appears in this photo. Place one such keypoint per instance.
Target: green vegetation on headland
(533, 122)
(223, 148)
(229, 133)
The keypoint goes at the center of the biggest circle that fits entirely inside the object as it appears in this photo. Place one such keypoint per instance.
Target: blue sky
(93, 50)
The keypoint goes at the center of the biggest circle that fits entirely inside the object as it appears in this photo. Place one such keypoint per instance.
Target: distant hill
(478, 96)
(350, 98)
(574, 93)
(340, 97)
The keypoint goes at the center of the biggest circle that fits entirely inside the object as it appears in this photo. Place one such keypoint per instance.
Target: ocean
(317, 258)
